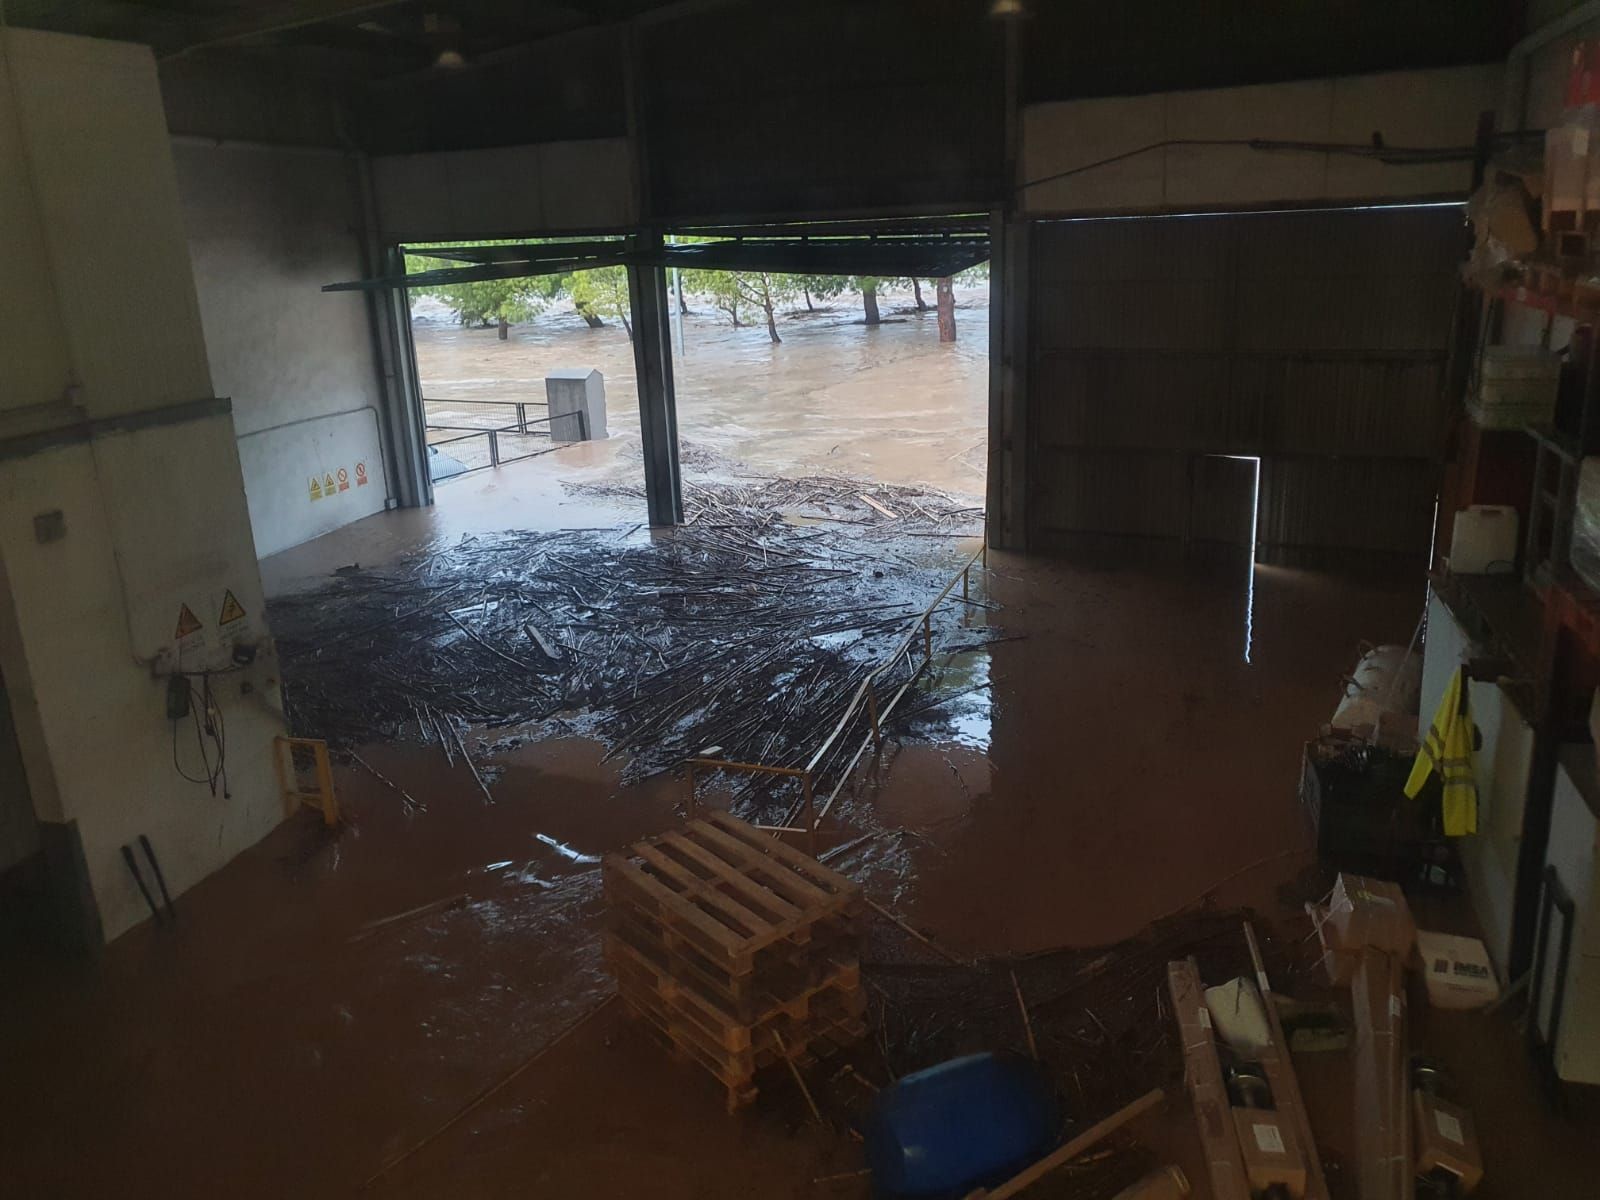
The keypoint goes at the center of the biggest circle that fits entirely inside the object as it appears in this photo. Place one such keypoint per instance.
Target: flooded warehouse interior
(854, 599)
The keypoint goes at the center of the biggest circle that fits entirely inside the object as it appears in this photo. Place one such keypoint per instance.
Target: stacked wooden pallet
(735, 949)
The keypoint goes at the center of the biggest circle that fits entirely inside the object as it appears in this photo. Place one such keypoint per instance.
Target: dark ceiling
(369, 37)
(1072, 47)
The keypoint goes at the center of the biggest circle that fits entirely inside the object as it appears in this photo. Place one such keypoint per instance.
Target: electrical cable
(212, 728)
(1394, 156)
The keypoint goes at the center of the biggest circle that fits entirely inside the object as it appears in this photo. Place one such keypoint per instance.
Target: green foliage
(488, 301)
(602, 290)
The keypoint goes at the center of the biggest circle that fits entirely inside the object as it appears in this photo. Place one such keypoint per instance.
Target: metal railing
(523, 428)
(865, 698)
(521, 406)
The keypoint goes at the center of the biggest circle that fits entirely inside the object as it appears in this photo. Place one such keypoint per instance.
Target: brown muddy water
(888, 403)
(329, 1000)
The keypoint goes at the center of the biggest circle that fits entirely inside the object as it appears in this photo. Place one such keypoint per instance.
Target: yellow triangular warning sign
(232, 610)
(316, 488)
(187, 623)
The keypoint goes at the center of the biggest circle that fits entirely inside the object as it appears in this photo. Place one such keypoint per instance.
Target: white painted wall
(1410, 108)
(155, 518)
(1503, 762)
(106, 295)
(267, 227)
(281, 463)
(508, 191)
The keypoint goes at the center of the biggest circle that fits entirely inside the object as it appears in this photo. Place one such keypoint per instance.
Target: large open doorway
(526, 385)
(867, 381)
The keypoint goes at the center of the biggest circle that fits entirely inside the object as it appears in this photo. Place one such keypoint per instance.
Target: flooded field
(887, 403)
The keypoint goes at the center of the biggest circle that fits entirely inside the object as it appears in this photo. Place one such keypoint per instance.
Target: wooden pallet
(734, 949)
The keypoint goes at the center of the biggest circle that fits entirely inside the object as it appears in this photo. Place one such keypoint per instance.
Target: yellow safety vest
(1448, 749)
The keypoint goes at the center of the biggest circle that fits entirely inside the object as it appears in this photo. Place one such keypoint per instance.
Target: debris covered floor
(1108, 760)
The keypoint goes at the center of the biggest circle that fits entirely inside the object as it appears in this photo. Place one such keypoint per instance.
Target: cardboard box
(1456, 970)
(1271, 1150)
(1446, 1139)
(1370, 913)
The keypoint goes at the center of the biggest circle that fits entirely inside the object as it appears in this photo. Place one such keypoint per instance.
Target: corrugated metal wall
(1315, 340)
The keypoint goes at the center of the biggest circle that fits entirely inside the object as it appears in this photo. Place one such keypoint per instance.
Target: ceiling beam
(258, 22)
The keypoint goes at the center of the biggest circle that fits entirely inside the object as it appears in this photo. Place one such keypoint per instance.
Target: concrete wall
(1410, 108)
(106, 419)
(1503, 761)
(267, 227)
(19, 827)
(551, 186)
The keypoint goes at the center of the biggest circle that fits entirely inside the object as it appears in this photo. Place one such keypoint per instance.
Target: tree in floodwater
(820, 287)
(486, 302)
(765, 290)
(721, 287)
(916, 290)
(602, 290)
(945, 294)
(867, 285)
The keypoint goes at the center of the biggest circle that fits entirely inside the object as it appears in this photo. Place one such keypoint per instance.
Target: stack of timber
(736, 950)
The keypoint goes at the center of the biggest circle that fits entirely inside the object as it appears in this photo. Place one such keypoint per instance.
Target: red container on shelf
(1583, 77)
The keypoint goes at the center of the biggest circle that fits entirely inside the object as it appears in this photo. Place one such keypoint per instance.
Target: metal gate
(1313, 340)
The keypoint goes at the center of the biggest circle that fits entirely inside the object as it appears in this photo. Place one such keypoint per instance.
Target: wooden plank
(1203, 1070)
(722, 939)
(756, 895)
(791, 885)
(688, 965)
(879, 507)
(746, 922)
(827, 877)
(1087, 1140)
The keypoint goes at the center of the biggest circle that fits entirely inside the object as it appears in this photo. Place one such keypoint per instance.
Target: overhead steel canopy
(924, 249)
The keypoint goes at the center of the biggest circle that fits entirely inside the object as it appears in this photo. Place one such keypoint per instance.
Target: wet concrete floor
(302, 1023)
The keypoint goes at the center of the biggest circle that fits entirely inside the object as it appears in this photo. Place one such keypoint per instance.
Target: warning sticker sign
(187, 623)
(361, 474)
(232, 610)
(316, 488)
(328, 485)
(344, 480)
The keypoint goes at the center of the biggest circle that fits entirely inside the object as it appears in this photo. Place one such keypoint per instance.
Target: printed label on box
(1268, 1139)
(1449, 1127)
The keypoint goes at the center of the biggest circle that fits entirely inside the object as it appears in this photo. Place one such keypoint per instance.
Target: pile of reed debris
(747, 628)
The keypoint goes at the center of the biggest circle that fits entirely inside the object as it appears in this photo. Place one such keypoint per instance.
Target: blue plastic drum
(965, 1123)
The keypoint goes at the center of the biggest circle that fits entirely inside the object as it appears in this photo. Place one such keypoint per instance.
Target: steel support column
(658, 410)
(1009, 369)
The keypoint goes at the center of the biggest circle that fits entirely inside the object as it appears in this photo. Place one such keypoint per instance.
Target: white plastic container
(1516, 387)
(1484, 540)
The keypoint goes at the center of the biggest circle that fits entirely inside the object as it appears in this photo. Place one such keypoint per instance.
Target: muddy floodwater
(888, 403)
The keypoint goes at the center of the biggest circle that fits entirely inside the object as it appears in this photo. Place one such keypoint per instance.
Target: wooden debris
(1027, 1022)
(659, 647)
(1074, 1148)
(498, 1086)
(921, 937)
(881, 508)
